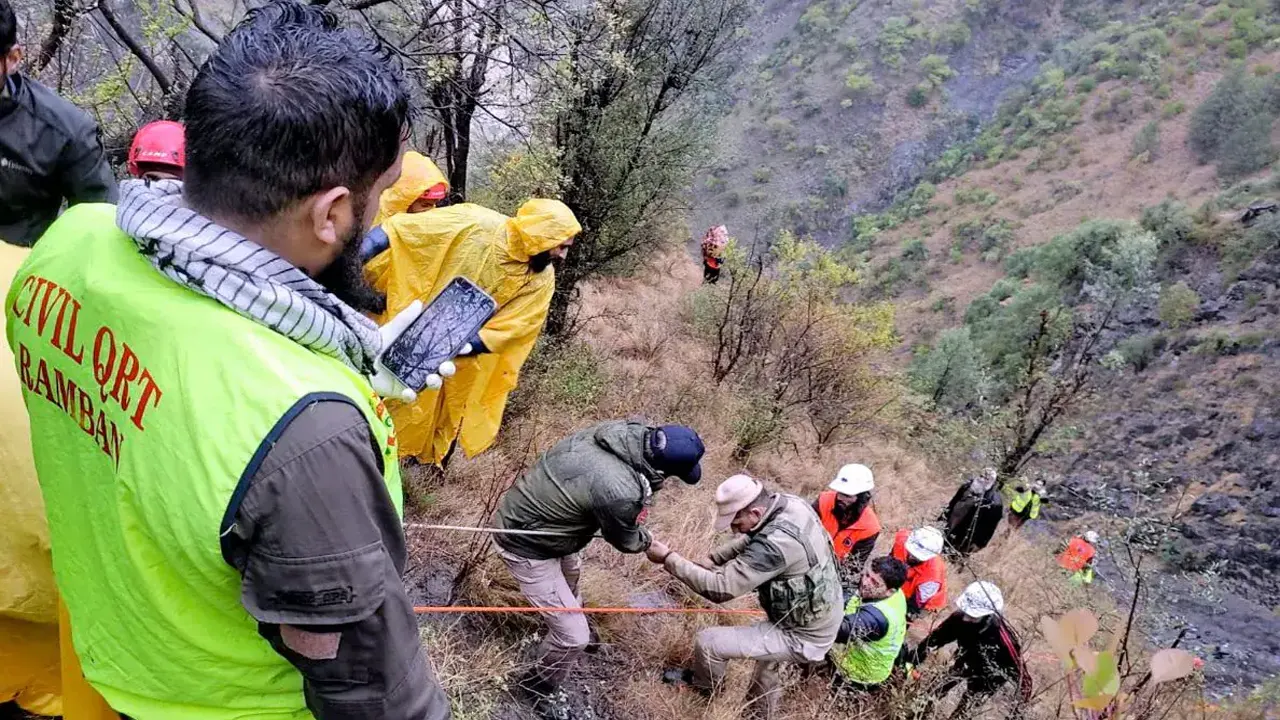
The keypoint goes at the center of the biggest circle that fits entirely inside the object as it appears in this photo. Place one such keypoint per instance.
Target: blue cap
(677, 450)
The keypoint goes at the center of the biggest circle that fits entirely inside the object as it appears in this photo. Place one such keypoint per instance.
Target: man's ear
(13, 60)
(331, 214)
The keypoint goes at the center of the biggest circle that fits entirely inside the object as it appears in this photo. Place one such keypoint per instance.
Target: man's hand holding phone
(420, 342)
(384, 382)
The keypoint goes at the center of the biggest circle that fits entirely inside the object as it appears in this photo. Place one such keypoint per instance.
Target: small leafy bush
(1178, 305)
(1146, 144)
(918, 96)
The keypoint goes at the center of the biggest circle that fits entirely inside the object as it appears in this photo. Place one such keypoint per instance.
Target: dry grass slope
(650, 364)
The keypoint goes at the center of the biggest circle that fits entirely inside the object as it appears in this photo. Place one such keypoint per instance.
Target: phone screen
(447, 323)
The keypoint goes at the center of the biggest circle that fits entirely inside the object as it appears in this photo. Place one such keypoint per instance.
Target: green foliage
(792, 346)
(761, 175)
(833, 187)
(1232, 127)
(517, 174)
(1169, 221)
(989, 236)
(972, 195)
(918, 96)
(858, 81)
(1146, 144)
(896, 37)
(1237, 49)
(1139, 351)
(1003, 328)
(914, 250)
(954, 35)
(1116, 107)
(951, 373)
(1086, 84)
(816, 21)
(566, 374)
(1178, 305)
(936, 70)
(1241, 250)
(1070, 260)
(1173, 109)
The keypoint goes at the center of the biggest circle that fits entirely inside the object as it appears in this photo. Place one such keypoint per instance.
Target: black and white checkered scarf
(242, 275)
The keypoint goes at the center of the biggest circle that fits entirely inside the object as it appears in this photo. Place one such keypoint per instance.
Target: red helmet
(158, 143)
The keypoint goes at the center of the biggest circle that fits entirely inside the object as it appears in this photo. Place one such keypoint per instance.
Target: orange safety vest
(931, 570)
(1078, 554)
(843, 540)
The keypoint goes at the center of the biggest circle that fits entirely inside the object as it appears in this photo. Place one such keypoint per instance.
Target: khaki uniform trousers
(762, 642)
(552, 584)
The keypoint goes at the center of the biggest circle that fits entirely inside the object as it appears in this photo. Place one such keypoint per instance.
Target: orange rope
(596, 611)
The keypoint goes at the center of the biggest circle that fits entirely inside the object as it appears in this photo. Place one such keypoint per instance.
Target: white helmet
(924, 543)
(1091, 537)
(853, 479)
(980, 599)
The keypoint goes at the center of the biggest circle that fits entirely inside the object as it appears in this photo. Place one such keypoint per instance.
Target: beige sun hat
(732, 496)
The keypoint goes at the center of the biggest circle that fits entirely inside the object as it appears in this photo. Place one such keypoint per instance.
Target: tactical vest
(796, 601)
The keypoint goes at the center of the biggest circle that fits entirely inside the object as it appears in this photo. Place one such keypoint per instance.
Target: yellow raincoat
(38, 669)
(428, 250)
(417, 176)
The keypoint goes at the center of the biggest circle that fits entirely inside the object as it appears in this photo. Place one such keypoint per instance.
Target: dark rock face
(1184, 456)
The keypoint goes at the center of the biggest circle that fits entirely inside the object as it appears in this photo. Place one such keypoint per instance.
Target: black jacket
(988, 653)
(972, 519)
(50, 151)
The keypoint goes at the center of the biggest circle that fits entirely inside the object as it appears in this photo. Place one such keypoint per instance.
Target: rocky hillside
(941, 143)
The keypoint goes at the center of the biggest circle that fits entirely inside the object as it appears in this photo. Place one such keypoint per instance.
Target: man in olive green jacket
(784, 554)
(598, 480)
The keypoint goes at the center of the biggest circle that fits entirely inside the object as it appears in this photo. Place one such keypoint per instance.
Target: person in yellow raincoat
(38, 670)
(420, 188)
(509, 257)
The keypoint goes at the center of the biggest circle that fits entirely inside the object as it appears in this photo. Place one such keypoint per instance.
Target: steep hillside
(940, 144)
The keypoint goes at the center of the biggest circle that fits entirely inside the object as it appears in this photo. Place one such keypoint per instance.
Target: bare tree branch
(135, 47)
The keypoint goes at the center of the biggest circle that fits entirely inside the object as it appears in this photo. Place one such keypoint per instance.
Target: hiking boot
(554, 706)
(683, 677)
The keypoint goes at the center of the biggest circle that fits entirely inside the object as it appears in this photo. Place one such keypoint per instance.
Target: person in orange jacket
(926, 586)
(1077, 557)
(846, 513)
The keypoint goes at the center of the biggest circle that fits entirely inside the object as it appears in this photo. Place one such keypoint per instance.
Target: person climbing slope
(926, 585)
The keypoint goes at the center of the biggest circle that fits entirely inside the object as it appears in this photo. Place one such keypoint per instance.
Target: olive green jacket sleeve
(756, 562)
(729, 550)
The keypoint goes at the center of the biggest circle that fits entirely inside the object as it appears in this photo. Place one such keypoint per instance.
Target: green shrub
(896, 36)
(1140, 350)
(760, 175)
(1240, 250)
(913, 250)
(1021, 262)
(1086, 84)
(1146, 144)
(1169, 221)
(952, 373)
(1247, 149)
(1237, 49)
(970, 195)
(936, 70)
(918, 96)
(815, 20)
(833, 187)
(1173, 109)
(1178, 305)
(954, 35)
(858, 81)
(1232, 127)
(1262, 70)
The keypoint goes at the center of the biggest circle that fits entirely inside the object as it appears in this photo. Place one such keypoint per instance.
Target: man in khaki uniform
(784, 554)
